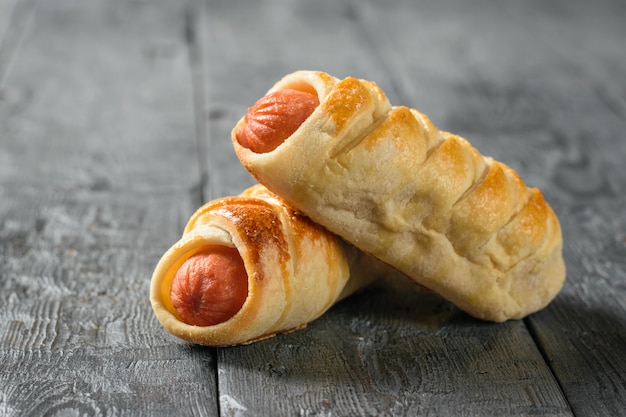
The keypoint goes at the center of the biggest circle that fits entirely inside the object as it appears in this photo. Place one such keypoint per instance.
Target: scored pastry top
(425, 201)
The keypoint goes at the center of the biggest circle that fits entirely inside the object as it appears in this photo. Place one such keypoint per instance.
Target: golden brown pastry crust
(422, 200)
(296, 269)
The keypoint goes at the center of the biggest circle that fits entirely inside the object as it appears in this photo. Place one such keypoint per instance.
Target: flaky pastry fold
(422, 200)
(296, 269)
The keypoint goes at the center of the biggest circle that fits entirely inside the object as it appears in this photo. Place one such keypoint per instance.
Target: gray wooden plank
(584, 333)
(15, 18)
(540, 86)
(142, 95)
(98, 173)
(77, 333)
(388, 351)
(393, 350)
(6, 11)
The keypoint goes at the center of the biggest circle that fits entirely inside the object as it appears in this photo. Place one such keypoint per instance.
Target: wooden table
(115, 118)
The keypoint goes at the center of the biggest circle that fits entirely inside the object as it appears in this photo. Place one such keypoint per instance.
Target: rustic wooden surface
(114, 126)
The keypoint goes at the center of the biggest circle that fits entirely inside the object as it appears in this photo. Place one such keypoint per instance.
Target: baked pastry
(294, 271)
(424, 201)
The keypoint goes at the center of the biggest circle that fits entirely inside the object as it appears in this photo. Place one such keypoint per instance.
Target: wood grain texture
(77, 331)
(393, 350)
(6, 11)
(98, 174)
(115, 121)
(109, 104)
(15, 20)
(584, 333)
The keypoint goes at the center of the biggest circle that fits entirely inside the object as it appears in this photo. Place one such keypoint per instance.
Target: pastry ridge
(296, 269)
(424, 201)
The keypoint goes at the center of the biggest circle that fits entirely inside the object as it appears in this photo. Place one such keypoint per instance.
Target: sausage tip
(210, 287)
(274, 118)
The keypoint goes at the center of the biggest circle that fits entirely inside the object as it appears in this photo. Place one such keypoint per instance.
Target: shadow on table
(585, 344)
(392, 345)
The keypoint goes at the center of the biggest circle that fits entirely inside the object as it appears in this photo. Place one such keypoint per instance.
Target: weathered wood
(392, 350)
(15, 18)
(115, 121)
(77, 330)
(6, 11)
(583, 334)
(98, 173)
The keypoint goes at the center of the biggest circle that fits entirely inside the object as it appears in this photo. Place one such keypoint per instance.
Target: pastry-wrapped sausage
(424, 201)
(250, 266)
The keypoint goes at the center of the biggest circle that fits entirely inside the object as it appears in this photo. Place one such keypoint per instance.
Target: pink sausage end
(210, 287)
(274, 118)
